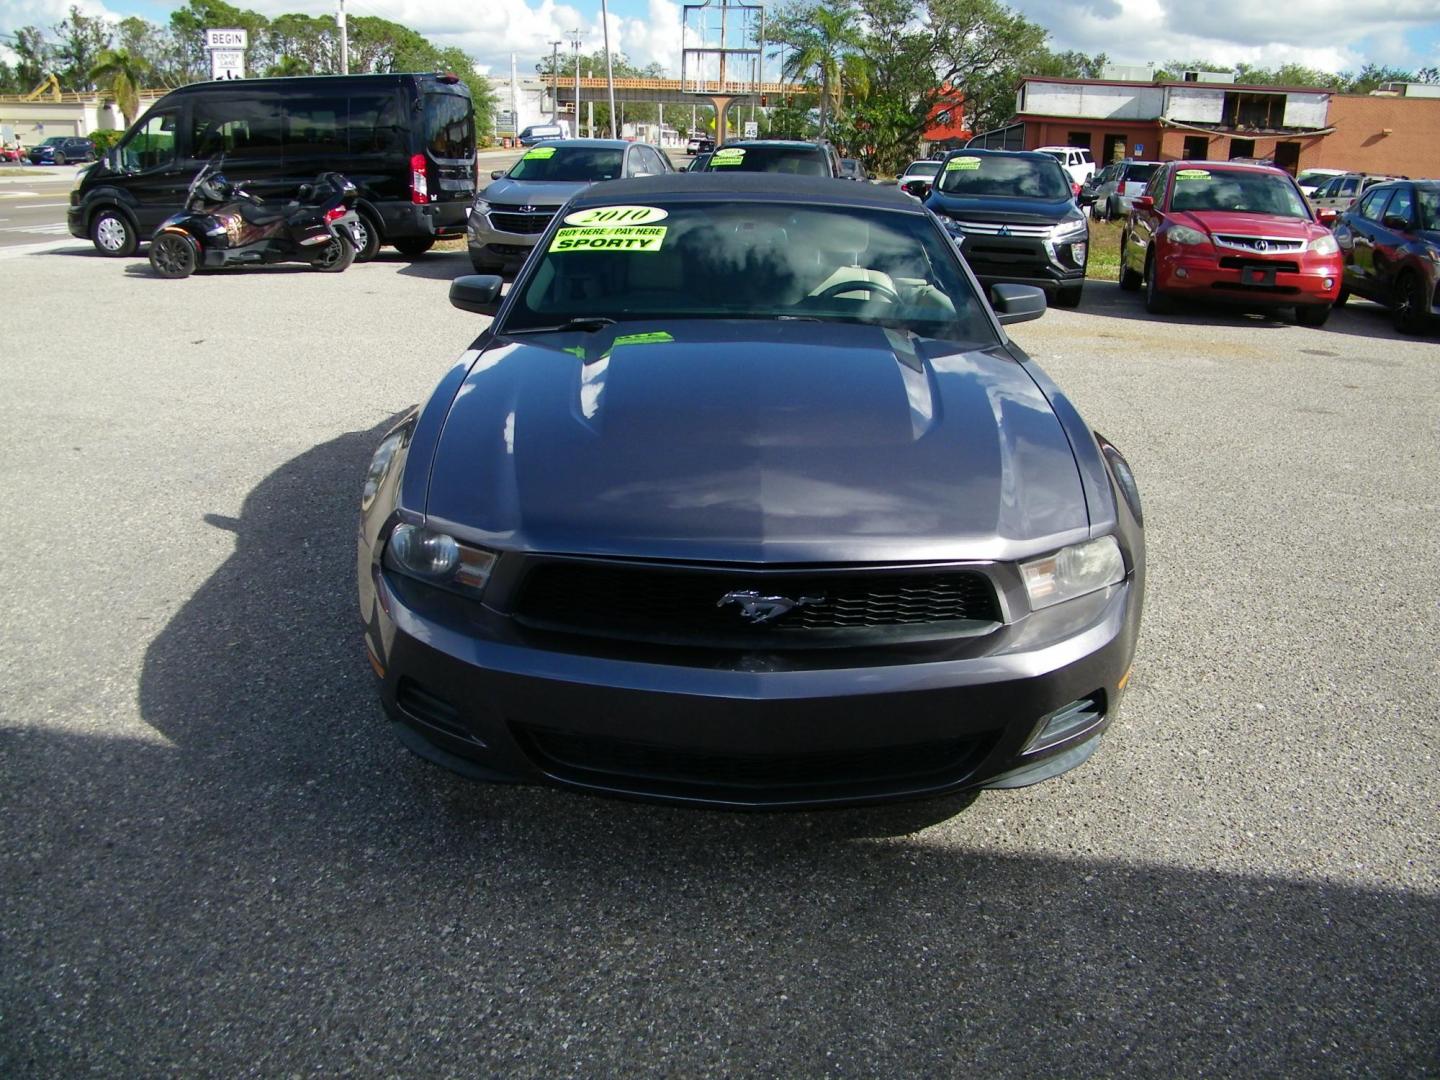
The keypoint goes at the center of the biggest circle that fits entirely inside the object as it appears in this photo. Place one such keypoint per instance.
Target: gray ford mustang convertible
(744, 498)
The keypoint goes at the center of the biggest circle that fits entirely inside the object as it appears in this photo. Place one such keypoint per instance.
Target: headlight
(1068, 230)
(953, 227)
(1073, 571)
(438, 559)
(1326, 245)
(1180, 234)
(480, 207)
(379, 467)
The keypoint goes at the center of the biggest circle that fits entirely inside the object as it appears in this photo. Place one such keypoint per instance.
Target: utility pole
(514, 98)
(609, 69)
(344, 40)
(555, 80)
(575, 44)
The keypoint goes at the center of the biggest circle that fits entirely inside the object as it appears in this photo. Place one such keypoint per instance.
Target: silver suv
(509, 215)
(1341, 192)
(1113, 187)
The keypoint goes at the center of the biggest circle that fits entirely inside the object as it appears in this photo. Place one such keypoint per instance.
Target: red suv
(1228, 231)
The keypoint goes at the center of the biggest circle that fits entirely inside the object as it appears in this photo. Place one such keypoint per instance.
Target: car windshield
(1427, 202)
(1139, 174)
(1003, 175)
(449, 126)
(796, 160)
(751, 260)
(923, 168)
(571, 164)
(1243, 192)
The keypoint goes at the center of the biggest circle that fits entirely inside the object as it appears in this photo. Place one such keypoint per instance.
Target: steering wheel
(875, 288)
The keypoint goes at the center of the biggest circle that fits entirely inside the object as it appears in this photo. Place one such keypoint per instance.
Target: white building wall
(1195, 106)
(1307, 110)
(1138, 102)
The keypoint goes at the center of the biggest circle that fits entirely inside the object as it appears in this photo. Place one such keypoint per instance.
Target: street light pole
(575, 44)
(555, 80)
(609, 70)
(344, 40)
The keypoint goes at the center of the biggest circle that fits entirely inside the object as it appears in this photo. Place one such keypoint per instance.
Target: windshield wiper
(589, 324)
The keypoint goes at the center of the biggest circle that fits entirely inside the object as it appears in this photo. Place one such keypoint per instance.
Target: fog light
(1329, 281)
(1181, 272)
(1064, 723)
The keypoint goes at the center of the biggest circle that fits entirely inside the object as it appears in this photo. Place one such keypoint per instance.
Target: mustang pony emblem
(763, 609)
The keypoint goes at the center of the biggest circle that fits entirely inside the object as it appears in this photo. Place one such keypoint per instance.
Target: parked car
(406, 141)
(536, 133)
(1227, 231)
(1075, 160)
(62, 150)
(511, 213)
(1341, 192)
(1390, 241)
(720, 488)
(918, 170)
(699, 144)
(793, 156)
(852, 169)
(1311, 180)
(697, 163)
(1014, 217)
(1114, 186)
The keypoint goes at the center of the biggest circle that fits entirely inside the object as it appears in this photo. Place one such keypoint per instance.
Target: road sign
(752, 129)
(226, 39)
(227, 63)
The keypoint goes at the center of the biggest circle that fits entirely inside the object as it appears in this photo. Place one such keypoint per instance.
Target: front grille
(1268, 244)
(1002, 228)
(1235, 262)
(429, 709)
(681, 605)
(521, 224)
(645, 767)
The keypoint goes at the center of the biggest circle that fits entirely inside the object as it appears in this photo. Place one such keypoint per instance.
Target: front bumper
(752, 734)
(1251, 278)
(1022, 260)
(75, 221)
(498, 247)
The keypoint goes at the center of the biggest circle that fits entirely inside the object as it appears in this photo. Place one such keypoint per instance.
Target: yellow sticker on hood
(962, 164)
(639, 239)
(1192, 174)
(654, 337)
(617, 215)
(540, 152)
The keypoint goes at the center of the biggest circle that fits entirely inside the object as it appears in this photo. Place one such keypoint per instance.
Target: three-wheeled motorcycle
(222, 224)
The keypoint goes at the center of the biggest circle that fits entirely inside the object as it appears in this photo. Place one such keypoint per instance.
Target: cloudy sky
(1334, 35)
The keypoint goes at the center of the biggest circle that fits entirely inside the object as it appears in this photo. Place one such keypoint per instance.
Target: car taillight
(419, 186)
(336, 214)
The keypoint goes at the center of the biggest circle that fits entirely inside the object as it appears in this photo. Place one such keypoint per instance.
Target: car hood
(1013, 210)
(532, 192)
(1231, 221)
(754, 442)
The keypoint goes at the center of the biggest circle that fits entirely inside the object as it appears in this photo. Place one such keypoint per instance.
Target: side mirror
(1017, 303)
(496, 174)
(1143, 202)
(918, 188)
(479, 293)
(1327, 216)
(1398, 222)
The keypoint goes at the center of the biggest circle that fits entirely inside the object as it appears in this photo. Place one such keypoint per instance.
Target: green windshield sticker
(1192, 174)
(962, 164)
(655, 337)
(728, 155)
(540, 152)
(617, 215)
(635, 238)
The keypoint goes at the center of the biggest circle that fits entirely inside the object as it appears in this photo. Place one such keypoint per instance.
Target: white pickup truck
(1075, 160)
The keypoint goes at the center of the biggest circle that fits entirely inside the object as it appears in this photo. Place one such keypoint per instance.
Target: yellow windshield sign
(728, 155)
(617, 215)
(1192, 174)
(540, 152)
(640, 239)
(962, 164)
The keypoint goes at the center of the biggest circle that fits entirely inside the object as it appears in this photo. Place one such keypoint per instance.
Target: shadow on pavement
(273, 885)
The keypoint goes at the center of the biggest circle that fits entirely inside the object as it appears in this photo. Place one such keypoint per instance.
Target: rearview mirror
(479, 293)
(1143, 202)
(1398, 222)
(496, 174)
(918, 188)
(1017, 303)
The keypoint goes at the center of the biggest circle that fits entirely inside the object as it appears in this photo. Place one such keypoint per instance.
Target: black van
(406, 141)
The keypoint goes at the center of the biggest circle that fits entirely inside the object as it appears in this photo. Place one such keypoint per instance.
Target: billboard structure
(722, 48)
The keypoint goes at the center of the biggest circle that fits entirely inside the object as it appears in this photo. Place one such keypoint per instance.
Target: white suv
(1074, 160)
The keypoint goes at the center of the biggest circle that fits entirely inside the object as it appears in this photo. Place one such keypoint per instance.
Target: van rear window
(449, 126)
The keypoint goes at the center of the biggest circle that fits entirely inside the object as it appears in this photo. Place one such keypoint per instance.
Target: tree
(123, 74)
(154, 46)
(82, 40)
(187, 29)
(33, 57)
(825, 44)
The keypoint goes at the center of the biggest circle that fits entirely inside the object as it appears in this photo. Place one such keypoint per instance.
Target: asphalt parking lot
(215, 859)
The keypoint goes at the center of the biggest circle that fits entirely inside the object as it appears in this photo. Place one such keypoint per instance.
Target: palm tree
(122, 73)
(824, 45)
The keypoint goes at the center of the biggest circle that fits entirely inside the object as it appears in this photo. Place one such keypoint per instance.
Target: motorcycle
(222, 224)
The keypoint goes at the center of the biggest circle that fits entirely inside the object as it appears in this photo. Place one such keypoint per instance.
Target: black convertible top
(755, 187)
